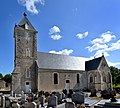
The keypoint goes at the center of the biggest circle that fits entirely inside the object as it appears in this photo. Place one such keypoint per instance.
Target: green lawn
(115, 86)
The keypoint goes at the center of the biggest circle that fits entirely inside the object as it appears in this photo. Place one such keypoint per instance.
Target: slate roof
(93, 64)
(63, 62)
(26, 21)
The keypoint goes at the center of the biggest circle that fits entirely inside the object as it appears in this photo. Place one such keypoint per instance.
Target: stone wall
(46, 79)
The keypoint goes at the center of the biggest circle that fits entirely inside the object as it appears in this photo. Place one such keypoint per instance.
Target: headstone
(34, 105)
(3, 101)
(30, 91)
(30, 105)
(15, 95)
(12, 93)
(22, 93)
(93, 93)
(15, 105)
(25, 97)
(69, 105)
(30, 97)
(42, 100)
(59, 96)
(78, 98)
(52, 102)
(0, 101)
(7, 102)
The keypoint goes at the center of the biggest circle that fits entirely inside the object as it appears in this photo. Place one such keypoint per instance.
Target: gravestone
(30, 97)
(69, 105)
(15, 105)
(93, 93)
(78, 98)
(7, 102)
(42, 100)
(3, 101)
(52, 101)
(12, 93)
(59, 96)
(34, 105)
(30, 105)
(0, 99)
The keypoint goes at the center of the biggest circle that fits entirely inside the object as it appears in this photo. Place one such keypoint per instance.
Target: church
(53, 72)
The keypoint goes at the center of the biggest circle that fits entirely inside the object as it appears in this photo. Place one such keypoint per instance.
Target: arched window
(78, 78)
(27, 73)
(91, 79)
(104, 78)
(55, 78)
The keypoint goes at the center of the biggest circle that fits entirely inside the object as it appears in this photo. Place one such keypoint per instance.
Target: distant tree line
(115, 75)
(7, 78)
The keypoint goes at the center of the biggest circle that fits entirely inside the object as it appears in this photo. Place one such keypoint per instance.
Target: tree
(1, 76)
(115, 73)
(8, 78)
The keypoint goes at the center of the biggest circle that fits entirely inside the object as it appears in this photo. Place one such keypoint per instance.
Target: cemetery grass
(116, 86)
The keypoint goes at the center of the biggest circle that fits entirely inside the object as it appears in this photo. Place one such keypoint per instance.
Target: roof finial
(25, 14)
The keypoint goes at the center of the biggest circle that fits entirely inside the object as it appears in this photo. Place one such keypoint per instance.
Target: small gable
(93, 64)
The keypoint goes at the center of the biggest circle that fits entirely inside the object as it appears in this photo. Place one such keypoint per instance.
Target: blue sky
(85, 28)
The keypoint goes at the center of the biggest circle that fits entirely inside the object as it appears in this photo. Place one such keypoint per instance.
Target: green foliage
(8, 78)
(115, 75)
(1, 76)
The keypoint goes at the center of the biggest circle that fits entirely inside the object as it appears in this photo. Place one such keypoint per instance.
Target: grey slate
(57, 61)
(93, 64)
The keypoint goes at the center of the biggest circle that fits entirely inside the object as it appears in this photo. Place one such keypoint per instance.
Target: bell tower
(25, 38)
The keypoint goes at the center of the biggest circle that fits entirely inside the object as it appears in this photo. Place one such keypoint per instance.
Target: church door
(67, 86)
(27, 86)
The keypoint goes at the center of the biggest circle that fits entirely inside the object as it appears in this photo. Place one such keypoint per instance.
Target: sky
(85, 28)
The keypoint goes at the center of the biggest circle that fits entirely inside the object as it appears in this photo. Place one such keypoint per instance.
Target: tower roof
(25, 23)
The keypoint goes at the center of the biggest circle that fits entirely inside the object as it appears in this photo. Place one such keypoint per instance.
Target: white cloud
(53, 30)
(30, 5)
(114, 46)
(96, 46)
(54, 33)
(103, 44)
(64, 52)
(113, 64)
(82, 35)
(100, 53)
(105, 38)
(56, 37)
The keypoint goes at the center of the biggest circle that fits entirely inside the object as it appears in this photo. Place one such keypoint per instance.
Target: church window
(78, 78)
(27, 73)
(55, 78)
(109, 77)
(91, 79)
(104, 78)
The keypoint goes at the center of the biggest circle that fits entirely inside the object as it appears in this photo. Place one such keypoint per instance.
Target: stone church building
(53, 72)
